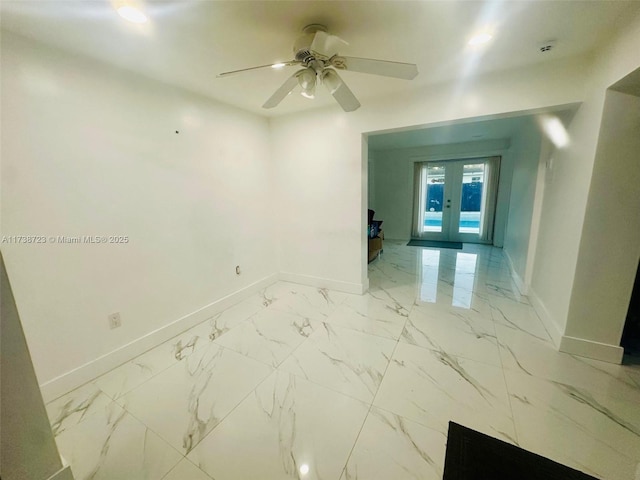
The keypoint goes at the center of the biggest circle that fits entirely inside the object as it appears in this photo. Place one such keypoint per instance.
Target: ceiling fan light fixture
(332, 81)
(307, 81)
(316, 51)
(308, 93)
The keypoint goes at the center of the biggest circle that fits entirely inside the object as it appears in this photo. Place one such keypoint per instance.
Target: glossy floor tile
(344, 360)
(392, 447)
(270, 336)
(114, 444)
(432, 387)
(596, 433)
(287, 428)
(189, 399)
(298, 382)
(461, 333)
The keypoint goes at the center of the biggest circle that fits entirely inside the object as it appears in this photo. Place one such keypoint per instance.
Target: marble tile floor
(304, 383)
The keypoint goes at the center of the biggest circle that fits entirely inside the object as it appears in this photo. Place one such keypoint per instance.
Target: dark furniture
(376, 236)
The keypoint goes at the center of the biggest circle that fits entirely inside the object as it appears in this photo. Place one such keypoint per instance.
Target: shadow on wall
(28, 449)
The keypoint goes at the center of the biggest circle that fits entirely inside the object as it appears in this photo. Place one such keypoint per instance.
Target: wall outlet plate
(114, 320)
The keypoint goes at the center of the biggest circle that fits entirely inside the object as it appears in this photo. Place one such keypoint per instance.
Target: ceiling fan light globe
(307, 79)
(309, 91)
(332, 81)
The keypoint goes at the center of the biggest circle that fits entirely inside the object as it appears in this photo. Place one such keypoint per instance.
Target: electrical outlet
(114, 320)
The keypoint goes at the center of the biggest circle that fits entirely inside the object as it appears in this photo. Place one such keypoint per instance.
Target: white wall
(393, 178)
(91, 150)
(27, 447)
(567, 185)
(321, 203)
(371, 187)
(610, 242)
(320, 165)
(525, 150)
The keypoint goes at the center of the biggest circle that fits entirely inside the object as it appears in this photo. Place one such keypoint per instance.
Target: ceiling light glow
(304, 469)
(278, 65)
(480, 39)
(132, 14)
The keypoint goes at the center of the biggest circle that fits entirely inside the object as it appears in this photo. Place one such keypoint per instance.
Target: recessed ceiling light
(480, 38)
(132, 14)
(278, 65)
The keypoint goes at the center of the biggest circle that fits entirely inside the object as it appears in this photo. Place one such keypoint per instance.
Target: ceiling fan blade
(340, 91)
(285, 89)
(326, 44)
(407, 71)
(273, 65)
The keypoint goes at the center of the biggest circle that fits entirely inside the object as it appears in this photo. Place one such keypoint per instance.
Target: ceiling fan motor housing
(302, 48)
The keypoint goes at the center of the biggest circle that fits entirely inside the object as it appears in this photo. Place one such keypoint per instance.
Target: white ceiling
(188, 42)
(477, 131)
(465, 131)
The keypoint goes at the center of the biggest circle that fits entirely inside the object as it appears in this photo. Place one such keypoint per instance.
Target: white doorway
(455, 200)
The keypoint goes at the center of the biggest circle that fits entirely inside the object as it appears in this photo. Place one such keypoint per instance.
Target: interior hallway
(299, 382)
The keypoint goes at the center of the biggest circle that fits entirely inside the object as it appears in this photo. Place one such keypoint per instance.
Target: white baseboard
(590, 349)
(101, 365)
(356, 288)
(572, 345)
(520, 284)
(547, 320)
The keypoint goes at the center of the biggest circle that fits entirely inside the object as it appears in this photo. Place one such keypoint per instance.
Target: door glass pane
(434, 199)
(471, 199)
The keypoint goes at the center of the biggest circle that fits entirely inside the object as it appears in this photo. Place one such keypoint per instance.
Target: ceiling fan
(317, 52)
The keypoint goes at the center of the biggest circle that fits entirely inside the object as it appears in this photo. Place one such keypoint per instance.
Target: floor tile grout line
(229, 413)
(417, 422)
(187, 460)
(374, 398)
(508, 389)
(216, 426)
(319, 384)
(124, 407)
(284, 359)
(360, 331)
(163, 440)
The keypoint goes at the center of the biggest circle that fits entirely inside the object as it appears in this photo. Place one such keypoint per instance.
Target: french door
(455, 200)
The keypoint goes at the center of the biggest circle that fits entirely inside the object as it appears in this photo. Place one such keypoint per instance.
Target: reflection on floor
(299, 382)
